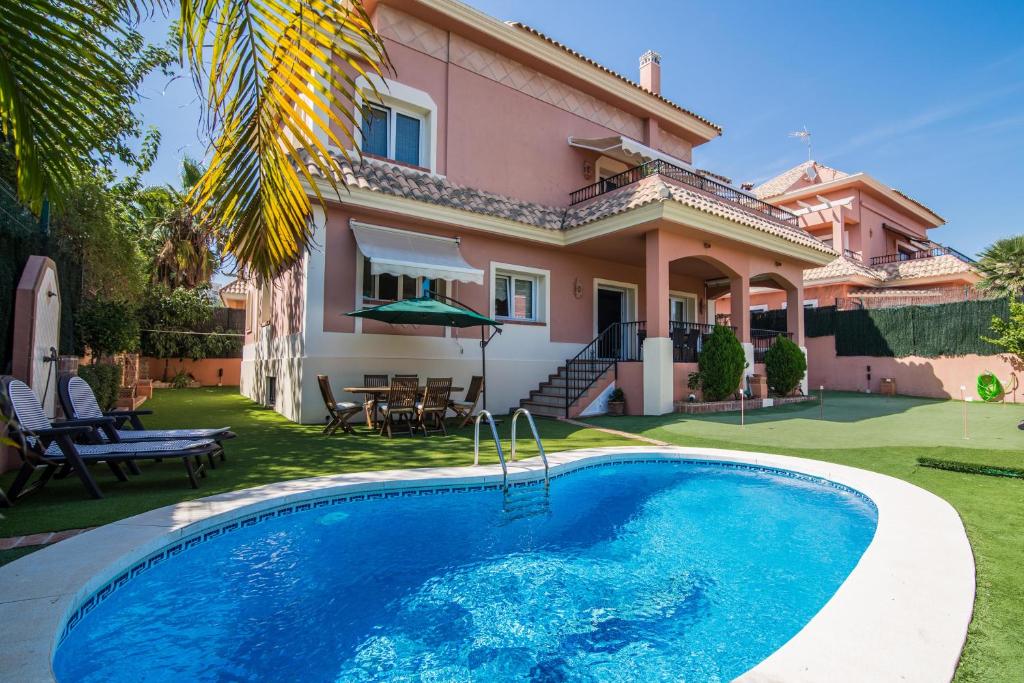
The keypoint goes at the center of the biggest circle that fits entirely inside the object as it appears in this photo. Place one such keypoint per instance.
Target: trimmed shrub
(720, 366)
(785, 365)
(105, 380)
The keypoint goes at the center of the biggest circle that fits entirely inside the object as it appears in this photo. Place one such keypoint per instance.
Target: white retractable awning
(626, 150)
(401, 252)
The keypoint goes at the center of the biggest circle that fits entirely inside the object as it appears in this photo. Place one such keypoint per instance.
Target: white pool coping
(901, 615)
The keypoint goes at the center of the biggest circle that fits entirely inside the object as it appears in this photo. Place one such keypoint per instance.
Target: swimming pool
(635, 570)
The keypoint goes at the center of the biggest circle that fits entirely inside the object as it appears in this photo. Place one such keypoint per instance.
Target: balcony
(937, 250)
(694, 180)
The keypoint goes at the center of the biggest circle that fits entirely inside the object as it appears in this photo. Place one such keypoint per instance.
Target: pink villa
(887, 256)
(544, 190)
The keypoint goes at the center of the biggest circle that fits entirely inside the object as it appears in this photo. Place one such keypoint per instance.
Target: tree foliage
(69, 78)
(785, 365)
(720, 365)
(183, 245)
(1010, 332)
(107, 327)
(274, 75)
(178, 324)
(1002, 265)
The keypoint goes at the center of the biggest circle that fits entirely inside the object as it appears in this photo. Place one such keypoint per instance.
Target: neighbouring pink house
(542, 189)
(887, 256)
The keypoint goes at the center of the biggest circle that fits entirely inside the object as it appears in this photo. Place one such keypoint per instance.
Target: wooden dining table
(370, 391)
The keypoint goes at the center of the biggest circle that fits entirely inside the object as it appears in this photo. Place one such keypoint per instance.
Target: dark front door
(610, 304)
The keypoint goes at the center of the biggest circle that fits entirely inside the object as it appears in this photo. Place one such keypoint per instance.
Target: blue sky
(925, 96)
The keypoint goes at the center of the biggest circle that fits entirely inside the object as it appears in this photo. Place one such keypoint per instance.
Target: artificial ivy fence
(930, 331)
(952, 329)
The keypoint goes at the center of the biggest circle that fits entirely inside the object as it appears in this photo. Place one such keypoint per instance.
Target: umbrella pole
(483, 362)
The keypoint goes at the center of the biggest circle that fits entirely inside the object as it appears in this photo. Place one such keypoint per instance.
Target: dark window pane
(387, 286)
(524, 299)
(501, 296)
(375, 131)
(437, 287)
(407, 139)
(409, 288)
(367, 279)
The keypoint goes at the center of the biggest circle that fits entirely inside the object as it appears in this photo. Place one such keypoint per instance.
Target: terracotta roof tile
(785, 180)
(588, 60)
(379, 176)
(236, 286)
(658, 189)
(842, 267)
(889, 273)
(946, 264)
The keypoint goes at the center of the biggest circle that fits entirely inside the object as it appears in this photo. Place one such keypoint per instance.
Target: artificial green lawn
(882, 434)
(269, 448)
(887, 435)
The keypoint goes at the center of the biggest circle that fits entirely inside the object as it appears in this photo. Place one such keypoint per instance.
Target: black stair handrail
(617, 342)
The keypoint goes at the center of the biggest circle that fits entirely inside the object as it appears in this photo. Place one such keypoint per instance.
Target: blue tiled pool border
(179, 546)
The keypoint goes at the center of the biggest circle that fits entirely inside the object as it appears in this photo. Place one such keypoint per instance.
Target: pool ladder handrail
(497, 444)
(536, 439)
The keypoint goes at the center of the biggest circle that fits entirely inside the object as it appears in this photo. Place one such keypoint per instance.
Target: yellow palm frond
(58, 83)
(281, 79)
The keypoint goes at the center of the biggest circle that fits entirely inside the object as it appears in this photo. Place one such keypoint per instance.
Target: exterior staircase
(548, 400)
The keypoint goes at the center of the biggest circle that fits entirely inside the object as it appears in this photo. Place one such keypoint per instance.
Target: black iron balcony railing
(762, 340)
(695, 180)
(688, 340)
(922, 254)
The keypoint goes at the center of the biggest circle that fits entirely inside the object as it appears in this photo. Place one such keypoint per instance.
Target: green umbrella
(425, 311)
(439, 310)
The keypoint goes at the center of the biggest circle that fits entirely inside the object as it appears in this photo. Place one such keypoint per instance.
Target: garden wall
(204, 371)
(936, 377)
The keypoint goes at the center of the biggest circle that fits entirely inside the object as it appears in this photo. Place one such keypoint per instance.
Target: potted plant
(616, 402)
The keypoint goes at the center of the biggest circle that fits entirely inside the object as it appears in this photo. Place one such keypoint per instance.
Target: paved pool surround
(902, 614)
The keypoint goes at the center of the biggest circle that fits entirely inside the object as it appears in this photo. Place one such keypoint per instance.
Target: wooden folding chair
(400, 404)
(338, 412)
(372, 401)
(465, 409)
(434, 405)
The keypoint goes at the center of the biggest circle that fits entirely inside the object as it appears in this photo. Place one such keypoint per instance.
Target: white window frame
(678, 296)
(399, 98)
(759, 308)
(810, 303)
(541, 291)
(392, 121)
(361, 269)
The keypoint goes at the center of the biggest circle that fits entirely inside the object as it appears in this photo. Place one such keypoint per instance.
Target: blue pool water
(634, 572)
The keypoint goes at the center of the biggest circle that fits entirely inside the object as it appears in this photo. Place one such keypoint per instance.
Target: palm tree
(1002, 264)
(279, 79)
(186, 243)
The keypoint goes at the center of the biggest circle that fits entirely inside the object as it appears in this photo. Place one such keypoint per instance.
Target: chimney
(650, 72)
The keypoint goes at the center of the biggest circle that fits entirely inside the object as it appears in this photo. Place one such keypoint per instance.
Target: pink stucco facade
(498, 105)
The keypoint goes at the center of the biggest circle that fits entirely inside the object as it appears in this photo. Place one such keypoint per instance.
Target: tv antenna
(805, 135)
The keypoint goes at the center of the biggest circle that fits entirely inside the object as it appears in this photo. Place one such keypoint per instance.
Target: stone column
(838, 242)
(795, 314)
(739, 307)
(657, 350)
